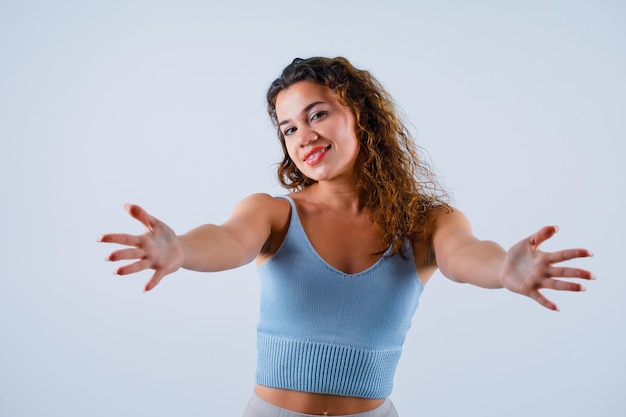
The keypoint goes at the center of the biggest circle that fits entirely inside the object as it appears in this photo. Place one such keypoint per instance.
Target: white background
(520, 106)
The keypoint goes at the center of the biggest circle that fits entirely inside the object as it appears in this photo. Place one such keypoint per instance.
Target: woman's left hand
(526, 269)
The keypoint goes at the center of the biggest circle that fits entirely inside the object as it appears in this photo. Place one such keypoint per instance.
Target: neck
(339, 196)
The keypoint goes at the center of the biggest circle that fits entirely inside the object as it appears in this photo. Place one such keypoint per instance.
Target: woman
(344, 257)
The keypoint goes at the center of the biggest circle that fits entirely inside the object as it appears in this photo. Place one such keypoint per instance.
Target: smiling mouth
(316, 153)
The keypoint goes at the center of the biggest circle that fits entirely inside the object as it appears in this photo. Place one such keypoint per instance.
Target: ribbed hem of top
(326, 368)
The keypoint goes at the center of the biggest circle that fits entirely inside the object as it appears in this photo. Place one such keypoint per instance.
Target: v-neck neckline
(295, 216)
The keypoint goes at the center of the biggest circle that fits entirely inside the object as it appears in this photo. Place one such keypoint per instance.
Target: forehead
(298, 96)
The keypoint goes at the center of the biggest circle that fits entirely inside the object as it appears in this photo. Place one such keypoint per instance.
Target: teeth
(316, 153)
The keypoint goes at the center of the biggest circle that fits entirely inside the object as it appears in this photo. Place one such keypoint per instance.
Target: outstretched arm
(206, 248)
(523, 269)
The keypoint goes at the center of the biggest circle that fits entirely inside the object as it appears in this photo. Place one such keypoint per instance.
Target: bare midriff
(316, 404)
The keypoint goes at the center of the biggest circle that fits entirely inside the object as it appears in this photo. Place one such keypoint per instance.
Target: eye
(318, 115)
(289, 131)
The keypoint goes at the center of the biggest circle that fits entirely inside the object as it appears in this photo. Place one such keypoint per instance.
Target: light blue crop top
(321, 330)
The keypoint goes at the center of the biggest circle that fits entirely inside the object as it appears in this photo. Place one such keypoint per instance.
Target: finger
(120, 238)
(542, 235)
(555, 284)
(133, 268)
(154, 281)
(140, 214)
(126, 254)
(568, 254)
(566, 272)
(538, 297)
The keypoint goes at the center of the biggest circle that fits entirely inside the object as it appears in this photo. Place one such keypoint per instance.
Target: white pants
(257, 407)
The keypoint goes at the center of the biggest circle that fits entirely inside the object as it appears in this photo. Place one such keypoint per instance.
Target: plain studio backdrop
(519, 106)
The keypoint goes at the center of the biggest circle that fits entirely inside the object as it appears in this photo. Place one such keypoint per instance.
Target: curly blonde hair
(396, 187)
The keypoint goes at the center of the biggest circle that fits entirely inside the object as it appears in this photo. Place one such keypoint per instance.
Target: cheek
(291, 152)
(353, 142)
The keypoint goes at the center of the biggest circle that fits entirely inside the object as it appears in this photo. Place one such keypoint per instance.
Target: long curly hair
(394, 185)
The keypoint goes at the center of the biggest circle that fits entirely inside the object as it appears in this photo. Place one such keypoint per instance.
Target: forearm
(523, 269)
(211, 248)
(478, 263)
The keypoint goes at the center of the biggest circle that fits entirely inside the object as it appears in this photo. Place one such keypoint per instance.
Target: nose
(306, 135)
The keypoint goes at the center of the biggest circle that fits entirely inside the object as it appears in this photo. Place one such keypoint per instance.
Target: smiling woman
(319, 131)
(344, 257)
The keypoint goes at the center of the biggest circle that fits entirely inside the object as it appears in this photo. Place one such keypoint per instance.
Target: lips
(315, 153)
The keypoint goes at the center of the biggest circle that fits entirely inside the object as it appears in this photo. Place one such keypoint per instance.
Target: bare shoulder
(442, 220)
(272, 212)
(262, 204)
(451, 221)
(259, 215)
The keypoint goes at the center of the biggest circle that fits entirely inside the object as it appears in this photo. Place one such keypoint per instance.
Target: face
(319, 131)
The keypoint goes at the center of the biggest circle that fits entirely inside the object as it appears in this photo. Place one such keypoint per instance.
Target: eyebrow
(304, 110)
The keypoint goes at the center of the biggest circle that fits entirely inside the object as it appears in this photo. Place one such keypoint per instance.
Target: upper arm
(252, 221)
(452, 232)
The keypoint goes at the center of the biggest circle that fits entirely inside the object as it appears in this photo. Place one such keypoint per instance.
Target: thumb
(140, 214)
(542, 235)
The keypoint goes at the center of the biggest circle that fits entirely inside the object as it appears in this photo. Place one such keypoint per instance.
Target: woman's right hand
(158, 249)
